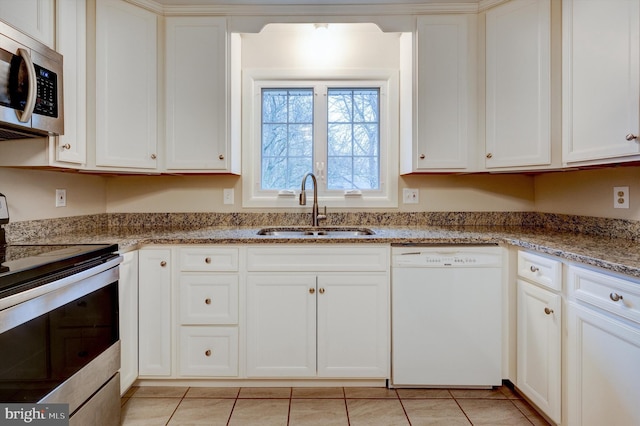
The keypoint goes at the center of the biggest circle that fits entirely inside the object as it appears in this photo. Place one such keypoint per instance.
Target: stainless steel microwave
(31, 92)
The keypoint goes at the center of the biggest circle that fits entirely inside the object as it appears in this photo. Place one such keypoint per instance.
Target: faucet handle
(323, 216)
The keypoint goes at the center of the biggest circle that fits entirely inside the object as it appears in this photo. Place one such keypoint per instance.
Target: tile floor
(325, 406)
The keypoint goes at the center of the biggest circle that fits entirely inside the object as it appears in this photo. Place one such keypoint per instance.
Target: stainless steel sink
(294, 232)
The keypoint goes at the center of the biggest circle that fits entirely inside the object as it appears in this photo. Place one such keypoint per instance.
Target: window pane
(287, 137)
(353, 142)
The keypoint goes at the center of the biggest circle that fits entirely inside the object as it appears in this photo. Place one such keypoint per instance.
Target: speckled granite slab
(607, 243)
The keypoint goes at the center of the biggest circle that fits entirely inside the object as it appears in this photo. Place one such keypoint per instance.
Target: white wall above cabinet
(601, 81)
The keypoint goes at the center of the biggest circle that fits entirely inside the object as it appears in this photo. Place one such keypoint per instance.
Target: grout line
(176, 409)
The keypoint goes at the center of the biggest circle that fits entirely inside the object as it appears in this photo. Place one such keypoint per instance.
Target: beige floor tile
(370, 393)
(260, 412)
(148, 411)
(265, 393)
(199, 392)
(444, 412)
(478, 393)
(510, 393)
(376, 412)
(531, 413)
(492, 412)
(160, 392)
(317, 393)
(318, 412)
(423, 393)
(193, 411)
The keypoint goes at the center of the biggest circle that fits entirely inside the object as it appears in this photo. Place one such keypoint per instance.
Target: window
(339, 129)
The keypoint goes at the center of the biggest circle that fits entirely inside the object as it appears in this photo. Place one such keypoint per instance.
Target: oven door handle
(25, 116)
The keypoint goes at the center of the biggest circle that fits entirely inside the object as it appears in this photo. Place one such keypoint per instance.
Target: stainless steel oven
(59, 337)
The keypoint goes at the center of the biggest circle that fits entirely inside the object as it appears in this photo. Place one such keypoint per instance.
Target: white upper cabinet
(518, 85)
(444, 119)
(126, 79)
(197, 95)
(33, 17)
(71, 42)
(601, 76)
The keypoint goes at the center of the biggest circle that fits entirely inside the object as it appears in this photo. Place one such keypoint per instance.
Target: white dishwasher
(446, 316)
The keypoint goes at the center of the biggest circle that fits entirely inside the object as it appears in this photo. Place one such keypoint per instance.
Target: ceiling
(307, 2)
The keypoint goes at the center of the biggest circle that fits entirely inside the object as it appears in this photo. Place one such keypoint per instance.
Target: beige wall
(31, 194)
(588, 192)
(204, 193)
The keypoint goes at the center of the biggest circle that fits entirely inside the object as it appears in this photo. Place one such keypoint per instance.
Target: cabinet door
(208, 351)
(281, 325)
(71, 42)
(126, 85)
(539, 347)
(33, 17)
(128, 299)
(601, 77)
(443, 94)
(196, 107)
(603, 369)
(155, 312)
(518, 73)
(353, 325)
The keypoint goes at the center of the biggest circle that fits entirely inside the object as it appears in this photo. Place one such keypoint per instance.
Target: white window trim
(252, 82)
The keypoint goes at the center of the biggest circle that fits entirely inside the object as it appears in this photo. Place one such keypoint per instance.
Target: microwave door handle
(25, 115)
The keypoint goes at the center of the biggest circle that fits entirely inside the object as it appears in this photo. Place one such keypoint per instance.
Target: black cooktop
(26, 266)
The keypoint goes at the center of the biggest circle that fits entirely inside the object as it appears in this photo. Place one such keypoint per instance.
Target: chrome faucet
(315, 216)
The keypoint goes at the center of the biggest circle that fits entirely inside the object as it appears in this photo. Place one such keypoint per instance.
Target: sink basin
(315, 232)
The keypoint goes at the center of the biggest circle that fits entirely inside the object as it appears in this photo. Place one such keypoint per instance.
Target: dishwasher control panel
(449, 256)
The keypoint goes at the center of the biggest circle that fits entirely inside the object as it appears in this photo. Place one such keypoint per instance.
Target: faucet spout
(315, 216)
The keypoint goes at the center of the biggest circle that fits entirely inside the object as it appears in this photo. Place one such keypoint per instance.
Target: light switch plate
(227, 195)
(410, 196)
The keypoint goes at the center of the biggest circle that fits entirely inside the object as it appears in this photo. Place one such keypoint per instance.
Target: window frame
(254, 81)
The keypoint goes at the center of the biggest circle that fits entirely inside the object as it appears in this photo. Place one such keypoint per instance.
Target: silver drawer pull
(534, 268)
(208, 352)
(615, 297)
(548, 311)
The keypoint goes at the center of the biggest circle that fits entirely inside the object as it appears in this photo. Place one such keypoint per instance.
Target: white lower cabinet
(539, 347)
(207, 317)
(306, 323)
(603, 351)
(154, 328)
(128, 300)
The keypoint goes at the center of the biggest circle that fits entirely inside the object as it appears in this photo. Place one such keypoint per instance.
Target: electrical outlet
(61, 197)
(410, 196)
(227, 196)
(620, 197)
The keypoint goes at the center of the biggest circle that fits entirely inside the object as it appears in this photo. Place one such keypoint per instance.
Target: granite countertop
(614, 254)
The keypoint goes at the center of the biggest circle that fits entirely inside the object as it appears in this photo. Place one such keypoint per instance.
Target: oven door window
(40, 354)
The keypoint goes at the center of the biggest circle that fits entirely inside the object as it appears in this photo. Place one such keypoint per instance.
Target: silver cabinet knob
(615, 297)
(208, 352)
(321, 290)
(631, 137)
(207, 260)
(422, 156)
(163, 263)
(534, 268)
(221, 156)
(312, 290)
(207, 301)
(153, 156)
(548, 311)
(66, 146)
(489, 155)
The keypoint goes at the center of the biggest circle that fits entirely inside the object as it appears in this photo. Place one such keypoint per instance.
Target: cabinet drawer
(208, 299)
(313, 259)
(613, 294)
(208, 351)
(208, 259)
(540, 269)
